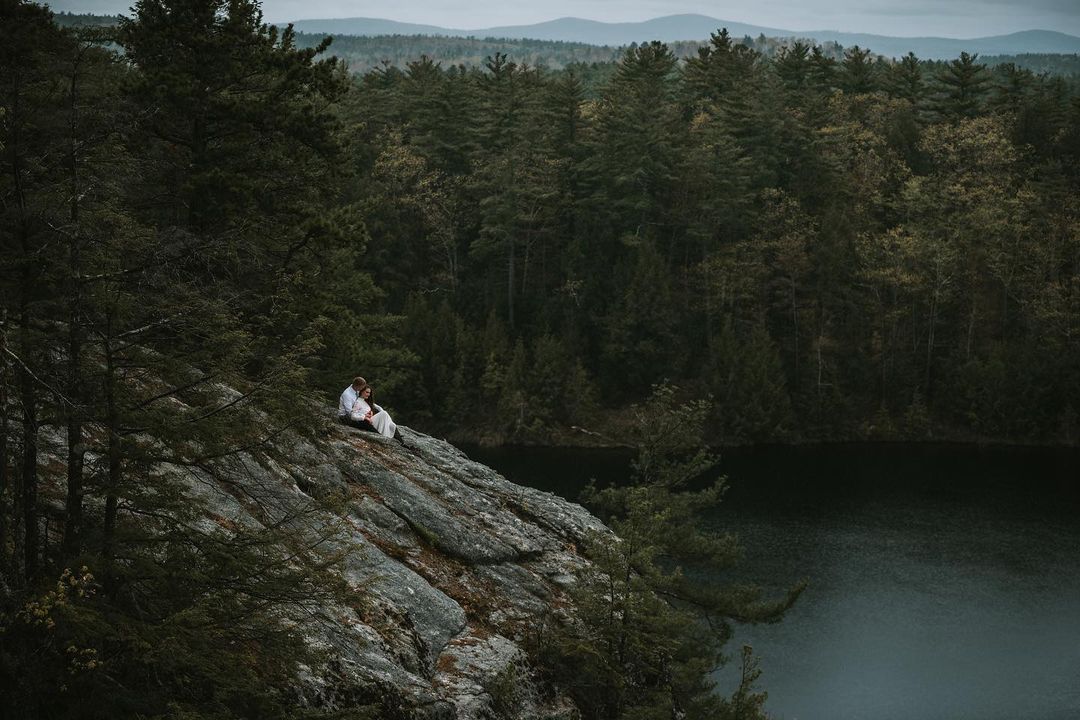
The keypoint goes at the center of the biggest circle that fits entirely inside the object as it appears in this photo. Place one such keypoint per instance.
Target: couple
(358, 410)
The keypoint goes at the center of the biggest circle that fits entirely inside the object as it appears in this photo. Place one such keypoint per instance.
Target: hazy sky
(949, 18)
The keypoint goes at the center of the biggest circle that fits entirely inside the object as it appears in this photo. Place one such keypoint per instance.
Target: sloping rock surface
(453, 563)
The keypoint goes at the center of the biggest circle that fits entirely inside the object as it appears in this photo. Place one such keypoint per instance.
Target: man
(348, 399)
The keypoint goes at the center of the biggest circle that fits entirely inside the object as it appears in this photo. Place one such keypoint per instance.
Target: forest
(829, 244)
(209, 227)
(831, 249)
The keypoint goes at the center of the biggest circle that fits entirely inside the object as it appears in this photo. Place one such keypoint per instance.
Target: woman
(371, 416)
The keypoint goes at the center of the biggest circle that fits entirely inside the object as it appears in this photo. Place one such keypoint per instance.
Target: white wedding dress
(380, 419)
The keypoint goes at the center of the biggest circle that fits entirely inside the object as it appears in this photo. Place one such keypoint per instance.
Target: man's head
(359, 383)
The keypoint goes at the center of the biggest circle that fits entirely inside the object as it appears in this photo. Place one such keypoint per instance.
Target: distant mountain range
(697, 27)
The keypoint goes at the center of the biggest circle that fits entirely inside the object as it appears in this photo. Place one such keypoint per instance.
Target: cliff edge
(452, 565)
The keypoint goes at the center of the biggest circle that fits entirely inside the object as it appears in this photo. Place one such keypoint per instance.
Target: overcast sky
(948, 18)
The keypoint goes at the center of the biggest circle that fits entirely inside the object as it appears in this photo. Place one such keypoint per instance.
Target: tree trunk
(5, 475)
(26, 545)
(930, 345)
(510, 282)
(75, 448)
(28, 398)
(970, 332)
(112, 483)
(820, 354)
(795, 324)
(883, 390)
(28, 475)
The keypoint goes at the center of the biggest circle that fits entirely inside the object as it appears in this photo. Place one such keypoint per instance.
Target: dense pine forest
(829, 248)
(162, 213)
(831, 245)
(1067, 65)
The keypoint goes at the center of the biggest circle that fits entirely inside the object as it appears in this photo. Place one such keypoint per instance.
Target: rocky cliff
(451, 563)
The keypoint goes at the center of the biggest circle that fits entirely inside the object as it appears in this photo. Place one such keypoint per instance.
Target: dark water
(944, 580)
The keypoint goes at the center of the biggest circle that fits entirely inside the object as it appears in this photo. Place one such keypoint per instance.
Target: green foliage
(858, 71)
(810, 234)
(718, 67)
(963, 85)
(205, 627)
(824, 242)
(745, 376)
(641, 346)
(636, 148)
(917, 421)
(652, 612)
(507, 691)
(167, 222)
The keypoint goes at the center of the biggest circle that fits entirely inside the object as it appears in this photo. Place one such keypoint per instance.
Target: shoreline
(563, 440)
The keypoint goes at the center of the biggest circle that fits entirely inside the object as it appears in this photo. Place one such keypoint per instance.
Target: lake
(944, 579)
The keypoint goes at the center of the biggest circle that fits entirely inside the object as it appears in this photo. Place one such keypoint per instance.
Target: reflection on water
(944, 580)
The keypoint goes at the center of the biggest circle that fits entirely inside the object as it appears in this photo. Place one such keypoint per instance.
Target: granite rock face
(453, 562)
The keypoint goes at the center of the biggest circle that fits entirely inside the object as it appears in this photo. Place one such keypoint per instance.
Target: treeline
(82, 20)
(364, 53)
(832, 249)
(1039, 63)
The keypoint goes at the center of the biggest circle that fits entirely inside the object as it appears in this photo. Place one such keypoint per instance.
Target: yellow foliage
(39, 612)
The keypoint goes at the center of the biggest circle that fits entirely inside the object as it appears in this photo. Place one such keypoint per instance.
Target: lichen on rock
(450, 559)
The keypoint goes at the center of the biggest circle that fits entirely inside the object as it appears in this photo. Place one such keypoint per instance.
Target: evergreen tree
(713, 74)
(36, 142)
(151, 340)
(823, 71)
(793, 68)
(514, 175)
(858, 71)
(636, 144)
(906, 79)
(654, 611)
(963, 84)
(436, 109)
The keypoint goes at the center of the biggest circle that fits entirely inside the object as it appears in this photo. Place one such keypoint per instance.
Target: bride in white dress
(365, 410)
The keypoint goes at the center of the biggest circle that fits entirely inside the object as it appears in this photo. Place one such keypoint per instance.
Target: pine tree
(652, 610)
(166, 370)
(637, 140)
(792, 65)
(514, 175)
(857, 71)
(714, 73)
(37, 149)
(823, 71)
(963, 85)
(435, 107)
(906, 80)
